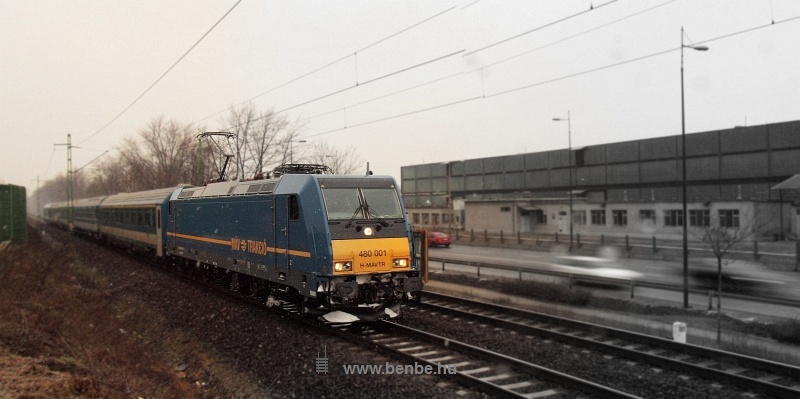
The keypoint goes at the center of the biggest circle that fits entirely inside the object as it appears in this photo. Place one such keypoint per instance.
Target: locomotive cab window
(342, 203)
(382, 203)
(362, 203)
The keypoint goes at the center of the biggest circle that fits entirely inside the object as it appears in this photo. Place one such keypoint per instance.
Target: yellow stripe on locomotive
(380, 255)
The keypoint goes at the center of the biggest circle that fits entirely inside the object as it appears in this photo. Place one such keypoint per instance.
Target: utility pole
(38, 200)
(70, 213)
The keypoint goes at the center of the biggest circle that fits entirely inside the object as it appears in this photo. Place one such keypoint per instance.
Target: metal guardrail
(652, 245)
(521, 270)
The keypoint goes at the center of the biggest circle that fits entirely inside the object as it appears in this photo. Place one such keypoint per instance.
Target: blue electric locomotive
(340, 245)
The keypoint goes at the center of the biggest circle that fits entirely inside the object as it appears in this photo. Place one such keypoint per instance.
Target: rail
(661, 352)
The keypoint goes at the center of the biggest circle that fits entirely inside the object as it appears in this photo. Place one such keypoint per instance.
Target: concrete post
(755, 250)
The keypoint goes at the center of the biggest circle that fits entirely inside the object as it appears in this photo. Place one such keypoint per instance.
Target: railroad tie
(543, 394)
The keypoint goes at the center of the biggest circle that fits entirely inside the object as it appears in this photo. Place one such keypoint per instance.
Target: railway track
(505, 376)
(485, 370)
(499, 374)
(754, 375)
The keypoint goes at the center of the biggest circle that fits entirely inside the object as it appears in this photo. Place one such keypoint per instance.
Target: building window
(425, 218)
(435, 219)
(673, 218)
(416, 218)
(599, 217)
(539, 217)
(647, 216)
(505, 209)
(700, 218)
(620, 217)
(445, 218)
(729, 218)
(579, 217)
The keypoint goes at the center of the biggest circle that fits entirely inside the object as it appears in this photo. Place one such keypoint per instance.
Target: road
(782, 284)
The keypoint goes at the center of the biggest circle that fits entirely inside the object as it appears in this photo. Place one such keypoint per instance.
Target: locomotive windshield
(382, 203)
(362, 203)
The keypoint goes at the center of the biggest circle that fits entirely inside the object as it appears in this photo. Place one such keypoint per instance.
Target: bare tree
(724, 232)
(113, 175)
(289, 152)
(341, 161)
(240, 122)
(161, 157)
(264, 140)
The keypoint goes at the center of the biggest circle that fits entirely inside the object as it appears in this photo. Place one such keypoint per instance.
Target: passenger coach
(137, 219)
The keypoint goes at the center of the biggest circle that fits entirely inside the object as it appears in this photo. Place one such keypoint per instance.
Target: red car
(436, 239)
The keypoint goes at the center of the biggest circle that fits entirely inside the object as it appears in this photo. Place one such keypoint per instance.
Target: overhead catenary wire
(282, 85)
(507, 59)
(162, 75)
(49, 162)
(537, 29)
(340, 59)
(384, 96)
(399, 71)
(573, 36)
(592, 70)
(373, 80)
(461, 101)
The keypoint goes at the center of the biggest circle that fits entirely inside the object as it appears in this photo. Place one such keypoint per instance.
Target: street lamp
(291, 149)
(683, 182)
(569, 154)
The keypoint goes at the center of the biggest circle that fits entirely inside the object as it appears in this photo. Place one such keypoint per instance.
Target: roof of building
(792, 183)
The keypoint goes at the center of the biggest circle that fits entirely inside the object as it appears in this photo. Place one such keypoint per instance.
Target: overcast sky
(72, 66)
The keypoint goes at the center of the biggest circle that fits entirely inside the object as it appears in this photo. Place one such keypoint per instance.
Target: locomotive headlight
(342, 266)
(400, 262)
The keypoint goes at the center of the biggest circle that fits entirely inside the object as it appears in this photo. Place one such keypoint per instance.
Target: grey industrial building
(629, 188)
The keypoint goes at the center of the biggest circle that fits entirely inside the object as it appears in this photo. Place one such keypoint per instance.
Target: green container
(13, 224)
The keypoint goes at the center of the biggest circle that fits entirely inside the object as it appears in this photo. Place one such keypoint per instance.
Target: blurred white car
(594, 266)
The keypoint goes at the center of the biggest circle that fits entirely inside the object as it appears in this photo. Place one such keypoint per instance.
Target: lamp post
(291, 149)
(683, 181)
(569, 154)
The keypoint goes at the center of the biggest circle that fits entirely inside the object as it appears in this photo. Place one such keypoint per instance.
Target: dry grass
(64, 333)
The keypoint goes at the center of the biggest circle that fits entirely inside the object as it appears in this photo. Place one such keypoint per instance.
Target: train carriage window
(294, 208)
